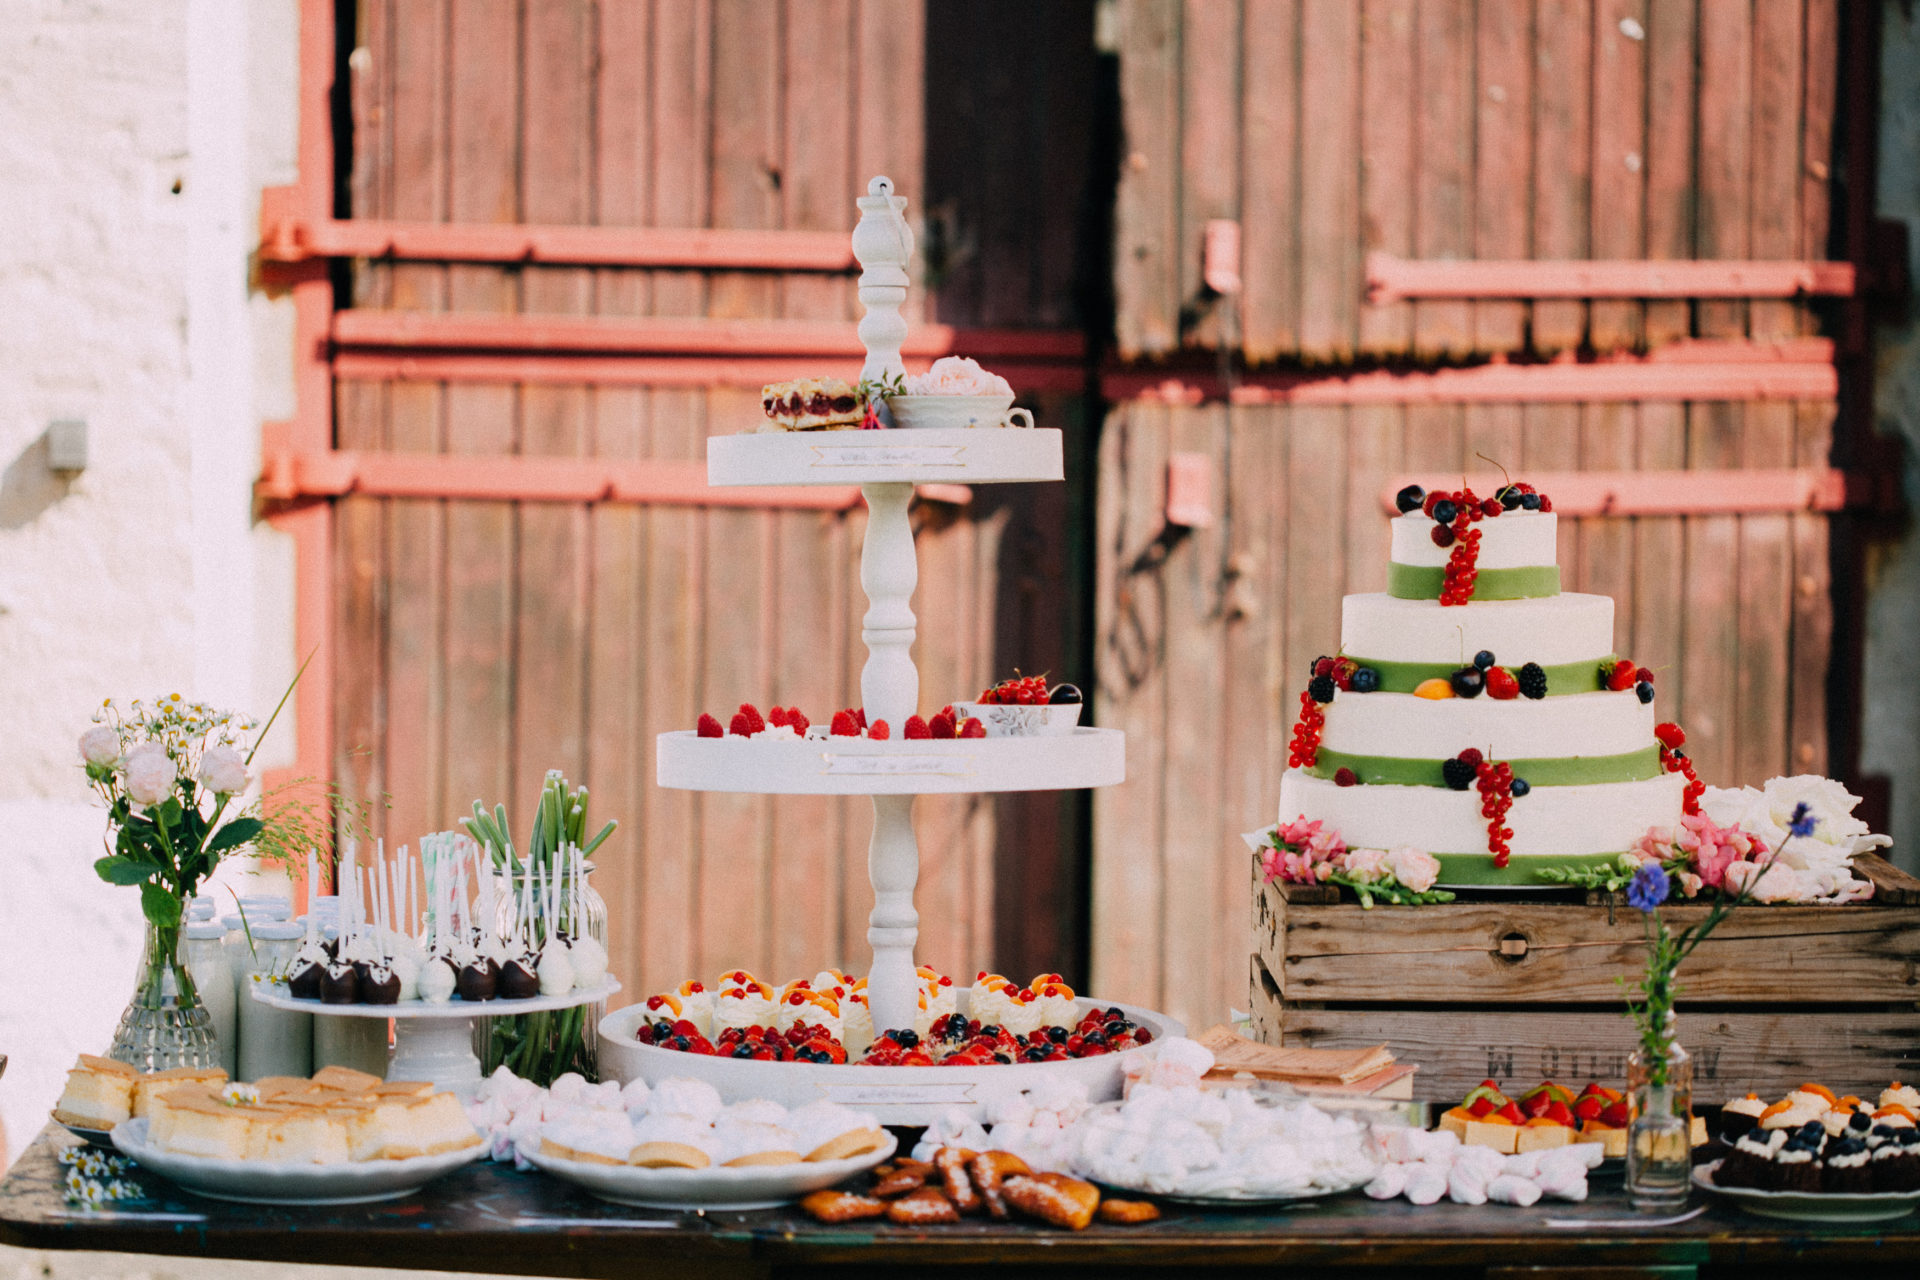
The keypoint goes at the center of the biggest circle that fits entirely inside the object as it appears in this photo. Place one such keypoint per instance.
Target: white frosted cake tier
(1550, 824)
(1553, 631)
(1508, 541)
(1402, 725)
(977, 455)
(894, 766)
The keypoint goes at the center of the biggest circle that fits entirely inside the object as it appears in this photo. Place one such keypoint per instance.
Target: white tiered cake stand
(887, 465)
(435, 1041)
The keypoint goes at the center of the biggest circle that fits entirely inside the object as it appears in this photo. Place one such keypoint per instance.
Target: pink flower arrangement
(1697, 852)
(1303, 852)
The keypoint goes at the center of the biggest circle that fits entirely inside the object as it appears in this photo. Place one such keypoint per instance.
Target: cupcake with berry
(1797, 1166)
(1750, 1163)
(1739, 1116)
(1894, 1156)
(1846, 1164)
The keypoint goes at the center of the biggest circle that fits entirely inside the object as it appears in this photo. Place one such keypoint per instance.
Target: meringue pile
(1423, 1166)
(1035, 1123)
(611, 1119)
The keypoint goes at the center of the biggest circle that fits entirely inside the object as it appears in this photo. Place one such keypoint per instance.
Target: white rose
(223, 771)
(1779, 883)
(1415, 868)
(100, 745)
(1746, 808)
(1828, 802)
(150, 774)
(1365, 864)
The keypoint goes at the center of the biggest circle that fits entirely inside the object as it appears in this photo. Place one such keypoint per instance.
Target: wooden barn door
(569, 241)
(1412, 182)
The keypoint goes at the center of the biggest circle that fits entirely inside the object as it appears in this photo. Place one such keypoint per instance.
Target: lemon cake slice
(99, 1093)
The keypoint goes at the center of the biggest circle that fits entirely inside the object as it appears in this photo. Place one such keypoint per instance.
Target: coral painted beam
(1394, 279)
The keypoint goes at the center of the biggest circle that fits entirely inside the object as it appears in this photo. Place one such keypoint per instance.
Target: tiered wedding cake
(1471, 660)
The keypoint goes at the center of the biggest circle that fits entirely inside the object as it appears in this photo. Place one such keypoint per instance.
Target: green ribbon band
(1405, 677)
(1525, 582)
(1552, 771)
(1471, 869)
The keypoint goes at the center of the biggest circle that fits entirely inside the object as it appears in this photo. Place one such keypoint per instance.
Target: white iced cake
(1472, 660)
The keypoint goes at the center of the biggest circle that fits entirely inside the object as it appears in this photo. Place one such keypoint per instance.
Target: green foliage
(1390, 891)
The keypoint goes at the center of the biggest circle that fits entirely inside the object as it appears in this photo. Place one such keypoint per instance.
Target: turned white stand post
(889, 683)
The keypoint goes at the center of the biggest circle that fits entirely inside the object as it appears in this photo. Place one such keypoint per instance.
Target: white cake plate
(963, 455)
(765, 1186)
(892, 766)
(896, 1095)
(435, 1041)
(283, 1182)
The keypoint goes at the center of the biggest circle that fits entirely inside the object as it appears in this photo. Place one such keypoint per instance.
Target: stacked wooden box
(1524, 987)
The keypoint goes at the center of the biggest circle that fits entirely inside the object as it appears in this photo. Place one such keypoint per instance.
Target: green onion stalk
(541, 1047)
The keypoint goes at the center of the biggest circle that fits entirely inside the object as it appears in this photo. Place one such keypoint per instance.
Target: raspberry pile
(1454, 514)
(850, 723)
(1672, 737)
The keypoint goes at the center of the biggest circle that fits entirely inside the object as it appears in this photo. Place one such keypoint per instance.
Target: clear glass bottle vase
(165, 1025)
(544, 1046)
(1660, 1135)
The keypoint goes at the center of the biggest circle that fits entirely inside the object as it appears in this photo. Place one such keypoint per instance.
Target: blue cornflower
(1648, 888)
(1802, 822)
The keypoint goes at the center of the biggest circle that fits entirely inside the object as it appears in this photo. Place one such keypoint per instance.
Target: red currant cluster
(1455, 515)
(1674, 760)
(1495, 784)
(1304, 751)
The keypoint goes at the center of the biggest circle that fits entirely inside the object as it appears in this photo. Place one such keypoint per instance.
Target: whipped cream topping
(957, 376)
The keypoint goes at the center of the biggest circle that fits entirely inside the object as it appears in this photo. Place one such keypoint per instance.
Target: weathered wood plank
(1329, 215)
(1811, 642)
(1376, 444)
(1209, 154)
(1550, 441)
(1315, 547)
(1654, 632)
(1820, 61)
(1131, 648)
(1724, 111)
(1147, 252)
(1711, 624)
(1269, 125)
(1670, 154)
(1604, 562)
(1617, 215)
(1387, 159)
(746, 145)
(1775, 222)
(1891, 885)
(1199, 972)
(1503, 171)
(1562, 157)
(1574, 953)
(1763, 684)
(1444, 167)
(1734, 1053)
(889, 131)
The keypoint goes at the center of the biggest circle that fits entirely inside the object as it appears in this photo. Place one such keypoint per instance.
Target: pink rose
(1366, 864)
(1415, 868)
(150, 774)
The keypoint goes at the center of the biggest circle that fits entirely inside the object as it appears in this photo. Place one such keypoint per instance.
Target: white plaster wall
(1890, 738)
(137, 135)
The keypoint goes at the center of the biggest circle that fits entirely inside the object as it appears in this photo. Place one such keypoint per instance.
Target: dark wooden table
(489, 1218)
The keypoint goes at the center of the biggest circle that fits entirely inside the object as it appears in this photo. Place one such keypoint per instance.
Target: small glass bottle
(207, 962)
(273, 1042)
(1660, 1135)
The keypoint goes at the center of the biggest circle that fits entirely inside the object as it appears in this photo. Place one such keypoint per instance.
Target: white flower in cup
(100, 745)
(223, 771)
(1415, 868)
(150, 774)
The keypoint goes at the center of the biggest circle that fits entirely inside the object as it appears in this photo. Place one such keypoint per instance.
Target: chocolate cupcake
(1895, 1158)
(1740, 1115)
(380, 985)
(340, 984)
(1750, 1163)
(1797, 1166)
(519, 978)
(1845, 1162)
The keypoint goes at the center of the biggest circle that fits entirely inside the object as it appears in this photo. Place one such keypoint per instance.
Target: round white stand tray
(435, 1041)
(963, 455)
(280, 1182)
(896, 1095)
(892, 766)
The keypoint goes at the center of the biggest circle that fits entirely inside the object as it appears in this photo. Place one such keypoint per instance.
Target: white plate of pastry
(661, 1172)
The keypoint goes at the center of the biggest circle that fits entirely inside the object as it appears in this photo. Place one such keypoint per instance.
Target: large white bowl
(279, 1182)
(895, 1095)
(750, 1187)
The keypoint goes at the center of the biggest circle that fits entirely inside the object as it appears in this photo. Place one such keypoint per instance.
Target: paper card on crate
(1235, 1054)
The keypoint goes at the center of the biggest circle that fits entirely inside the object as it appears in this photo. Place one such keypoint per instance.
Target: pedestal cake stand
(435, 1041)
(886, 464)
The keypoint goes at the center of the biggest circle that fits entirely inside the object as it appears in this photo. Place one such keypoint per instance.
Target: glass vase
(165, 1025)
(1660, 1135)
(541, 1047)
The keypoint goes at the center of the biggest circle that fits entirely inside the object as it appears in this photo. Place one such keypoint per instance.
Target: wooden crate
(1523, 987)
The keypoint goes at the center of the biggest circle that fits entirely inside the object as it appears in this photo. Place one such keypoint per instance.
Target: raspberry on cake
(813, 404)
